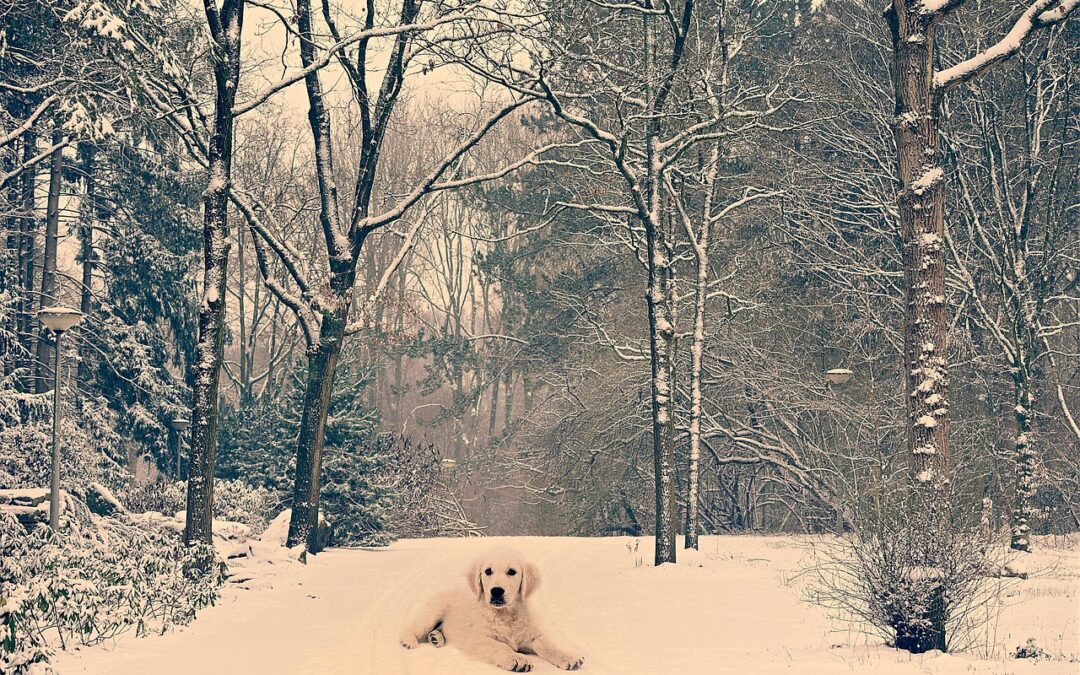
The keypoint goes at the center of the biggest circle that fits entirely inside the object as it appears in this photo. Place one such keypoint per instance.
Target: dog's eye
(488, 571)
(511, 571)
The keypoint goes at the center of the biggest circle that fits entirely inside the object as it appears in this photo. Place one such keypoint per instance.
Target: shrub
(82, 586)
(352, 498)
(419, 502)
(234, 500)
(908, 578)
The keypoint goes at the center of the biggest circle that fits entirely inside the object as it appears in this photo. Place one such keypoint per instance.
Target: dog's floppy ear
(474, 580)
(530, 579)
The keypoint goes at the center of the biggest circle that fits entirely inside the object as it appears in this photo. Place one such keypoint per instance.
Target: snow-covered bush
(419, 500)
(234, 500)
(352, 498)
(88, 584)
(906, 576)
(238, 502)
(164, 496)
(387, 489)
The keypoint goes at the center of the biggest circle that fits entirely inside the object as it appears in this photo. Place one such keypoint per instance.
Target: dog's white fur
(504, 635)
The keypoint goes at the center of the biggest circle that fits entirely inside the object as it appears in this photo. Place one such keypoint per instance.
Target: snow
(735, 606)
(927, 180)
(932, 6)
(930, 240)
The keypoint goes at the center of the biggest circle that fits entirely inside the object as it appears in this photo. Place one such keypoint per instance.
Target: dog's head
(502, 578)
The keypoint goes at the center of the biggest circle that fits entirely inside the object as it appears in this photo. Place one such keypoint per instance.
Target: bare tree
(225, 23)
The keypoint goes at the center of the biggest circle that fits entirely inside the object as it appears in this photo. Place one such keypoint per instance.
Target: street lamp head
(59, 319)
(181, 423)
(838, 375)
(448, 462)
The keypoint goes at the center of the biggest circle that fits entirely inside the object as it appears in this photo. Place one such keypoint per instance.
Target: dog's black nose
(496, 593)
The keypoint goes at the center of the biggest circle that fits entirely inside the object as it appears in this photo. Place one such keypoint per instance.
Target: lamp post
(58, 320)
(838, 375)
(180, 424)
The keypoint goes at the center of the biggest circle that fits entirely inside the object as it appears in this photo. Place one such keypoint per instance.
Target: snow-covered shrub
(234, 500)
(87, 584)
(1031, 650)
(898, 572)
(238, 502)
(419, 501)
(387, 489)
(352, 498)
(164, 496)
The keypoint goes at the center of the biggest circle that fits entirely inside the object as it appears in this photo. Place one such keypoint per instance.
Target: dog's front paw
(516, 664)
(570, 662)
(408, 641)
(436, 638)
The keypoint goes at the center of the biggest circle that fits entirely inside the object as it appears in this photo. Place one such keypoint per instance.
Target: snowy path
(735, 609)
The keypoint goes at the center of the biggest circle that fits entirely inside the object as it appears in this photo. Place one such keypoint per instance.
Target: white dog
(490, 621)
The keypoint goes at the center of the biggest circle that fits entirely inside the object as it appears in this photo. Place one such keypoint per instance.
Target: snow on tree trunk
(660, 298)
(921, 202)
(225, 29)
(1024, 457)
(700, 245)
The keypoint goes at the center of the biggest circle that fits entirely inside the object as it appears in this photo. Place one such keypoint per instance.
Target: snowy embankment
(735, 607)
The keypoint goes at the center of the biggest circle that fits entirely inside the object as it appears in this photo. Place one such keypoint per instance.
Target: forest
(358, 274)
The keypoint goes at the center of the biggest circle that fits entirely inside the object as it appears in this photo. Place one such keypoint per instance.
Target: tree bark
(921, 203)
(226, 28)
(322, 357)
(49, 295)
(697, 348)
(322, 363)
(1024, 456)
(493, 414)
(87, 223)
(508, 404)
(661, 339)
(27, 253)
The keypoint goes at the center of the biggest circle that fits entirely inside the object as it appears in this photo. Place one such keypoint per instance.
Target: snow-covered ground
(736, 607)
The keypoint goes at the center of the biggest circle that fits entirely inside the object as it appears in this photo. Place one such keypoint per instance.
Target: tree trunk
(27, 253)
(226, 28)
(49, 295)
(1025, 463)
(494, 412)
(322, 356)
(86, 242)
(661, 337)
(322, 363)
(508, 407)
(243, 355)
(921, 203)
(693, 519)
